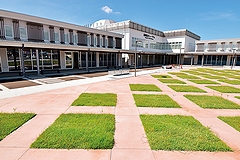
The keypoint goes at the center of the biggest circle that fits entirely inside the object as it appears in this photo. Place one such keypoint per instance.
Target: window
(75, 39)
(46, 36)
(8, 31)
(56, 36)
(23, 33)
(66, 38)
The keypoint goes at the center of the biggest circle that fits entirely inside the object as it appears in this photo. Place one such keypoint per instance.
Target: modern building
(217, 52)
(34, 44)
(153, 47)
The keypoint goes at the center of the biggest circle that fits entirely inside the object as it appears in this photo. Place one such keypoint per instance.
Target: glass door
(68, 59)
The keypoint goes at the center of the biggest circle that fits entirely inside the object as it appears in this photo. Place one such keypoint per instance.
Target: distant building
(156, 47)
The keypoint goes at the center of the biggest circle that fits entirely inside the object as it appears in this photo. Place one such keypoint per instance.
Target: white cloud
(108, 10)
(211, 16)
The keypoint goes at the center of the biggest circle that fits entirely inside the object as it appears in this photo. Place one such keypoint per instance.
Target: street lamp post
(234, 58)
(180, 56)
(135, 58)
(22, 60)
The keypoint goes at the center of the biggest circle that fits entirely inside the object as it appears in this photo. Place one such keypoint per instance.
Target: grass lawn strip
(150, 100)
(188, 77)
(79, 131)
(214, 102)
(96, 99)
(225, 89)
(181, 133)
(234, 82)
(177, 73)
(169, 80)
(9, 122)
(186, 88)
(160, 76)
(212, 77)
(232, 121)
(202, 81)
(144, 87)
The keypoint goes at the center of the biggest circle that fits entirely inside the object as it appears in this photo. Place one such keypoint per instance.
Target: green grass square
(188, 77)
(169, 80)
(96, 99)
(212, 77)
(186, 88)
(152, 100)
(9, 122)
(232, 121)
(160, 76)
(202, 81)
(79, 131)
(181, 133)
(233, 82)
(144, 87)
(225, 89)
(177, 73)
(214, 102)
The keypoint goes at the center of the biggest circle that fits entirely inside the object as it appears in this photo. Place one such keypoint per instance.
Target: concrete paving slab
(64, 154)
(129, 133)
(12, 153)
(132, 154)
(186, 155)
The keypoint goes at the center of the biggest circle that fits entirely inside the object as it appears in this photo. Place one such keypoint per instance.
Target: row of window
(46, 36)
(9, 32)
(143, 43)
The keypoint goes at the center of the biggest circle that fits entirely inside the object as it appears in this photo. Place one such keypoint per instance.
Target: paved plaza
(49, 100)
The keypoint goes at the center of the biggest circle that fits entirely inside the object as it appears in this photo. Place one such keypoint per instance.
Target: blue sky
(211, 19)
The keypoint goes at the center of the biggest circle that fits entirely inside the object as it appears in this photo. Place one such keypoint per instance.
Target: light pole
(234, 58)
(22, 60)
(135, 58)
(180, 56)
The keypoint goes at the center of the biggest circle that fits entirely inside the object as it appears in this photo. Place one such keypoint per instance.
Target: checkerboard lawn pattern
(144, 87)
(186, 88)
(214, 102)
(150, 100)
(232, 121)
(225, 89)
(79, 131)
(9, 122)
(181, 133)
(96, 99)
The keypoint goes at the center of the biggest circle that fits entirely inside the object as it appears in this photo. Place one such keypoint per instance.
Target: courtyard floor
(48, 101)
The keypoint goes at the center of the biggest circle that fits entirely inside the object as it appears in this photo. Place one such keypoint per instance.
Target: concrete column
(97, 59)
(120, 60)
(141, 55)
(37, 60)
(3, 58)
(62, 60)
(191, 60)
(202, 60)
(87, 60)
(228, 60)
(195, 59)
